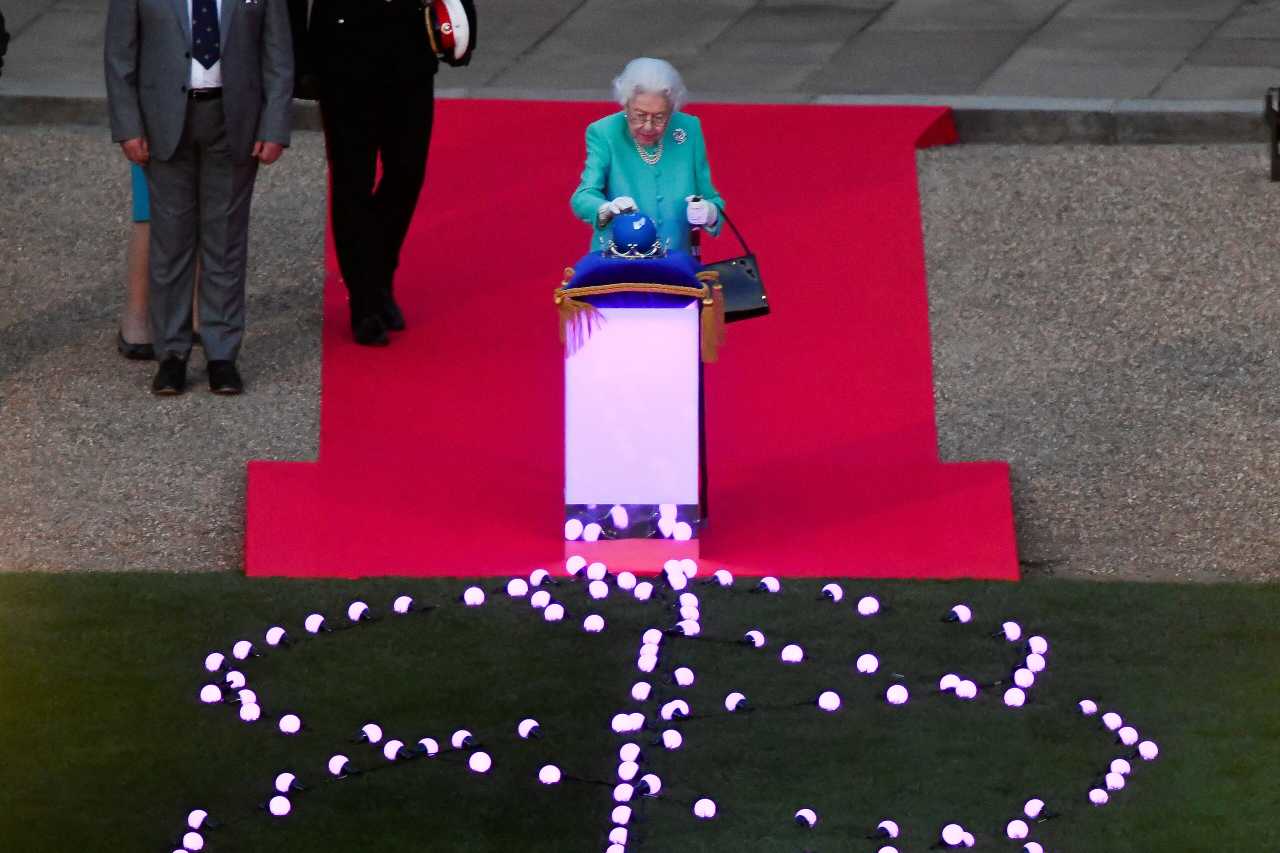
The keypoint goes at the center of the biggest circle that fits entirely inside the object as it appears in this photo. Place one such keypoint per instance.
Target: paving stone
(942, 62)
(1037, 71)
(1121, 36)
(49, 57)
(1256, 53)
(1183, 10)
(1254, 19)
(920, 15)
(1208, 81)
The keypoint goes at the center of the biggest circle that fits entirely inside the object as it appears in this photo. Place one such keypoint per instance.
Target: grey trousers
(200, 198)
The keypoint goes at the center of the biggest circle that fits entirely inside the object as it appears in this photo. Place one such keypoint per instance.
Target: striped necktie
(205, 36)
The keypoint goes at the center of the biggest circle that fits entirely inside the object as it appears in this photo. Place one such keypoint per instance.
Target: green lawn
(103, 745)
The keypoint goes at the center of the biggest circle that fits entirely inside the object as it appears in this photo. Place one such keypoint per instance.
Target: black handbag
(744, 295)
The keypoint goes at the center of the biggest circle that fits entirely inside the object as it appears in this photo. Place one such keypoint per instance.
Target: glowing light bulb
(887, 849)
(620, 723)
(647, 664)
(1038, 645)
(540, 599)
(213, 661)
(666, 527)
(755, 638)
(690, 567)
(429, 747)
(623, 792)
(593, 624)
(572, 530)
(1114, 781)
(461, 739)
(832, 592)
(284, 782)
(626, 581)
(473, 596)
(807, 818)
(479, 762)
(867, 663)
(527, 728)
(618, 835)
(553, 612)
(652, 637)
(1015, 697)
(963, 614)
(792, 653)
(674, 708)
(275, 635)
(575, 564)
(1024, 678)
(1017, 830)
(1098, 797)
(627, 770)
(690, 613)
(338, 765)
(402, 605)
(1111, 720)
(290, 724)
(689, 627)
(210, 694)
(615, 848)
(868, 605)
(392, 749)
(629, 752)
(677, 581)
(953, 835)
(651, 784)
(538, 576)
(667, 511)
(1088, 707)
(723, 577)
(357, 610)
(1012, 631)
(597, 571)
(897, 695)
(591, 533)
(829, 701)
(688, 599)
(704, 808)
(598, 590)
(313, 623)
(1032, 847)
(643, 591)
(967, 689)
(242, 650)
(734, 701)
(1033, 808)
(247, 697)
(549, 775)
(682, 531)
(672, 739)
(517, 588)
(1128, 735)
(887, 828)
(968, 840)
(196, 818)
(950, 681)
(618, 515)
(1035, 663)
(683, 676)
(621, 815)
(193, 841)
(770, 585)
(250, 713)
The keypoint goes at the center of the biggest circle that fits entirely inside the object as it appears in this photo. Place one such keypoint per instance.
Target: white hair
(646, 76)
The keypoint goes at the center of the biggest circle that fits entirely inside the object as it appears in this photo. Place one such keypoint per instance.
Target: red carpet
(443, 454)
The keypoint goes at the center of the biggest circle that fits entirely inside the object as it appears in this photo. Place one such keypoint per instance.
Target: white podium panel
(631, 409)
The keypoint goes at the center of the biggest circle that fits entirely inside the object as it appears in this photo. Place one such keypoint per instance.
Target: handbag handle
(736, 232)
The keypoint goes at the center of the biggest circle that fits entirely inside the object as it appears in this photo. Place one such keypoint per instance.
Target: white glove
(701, 212)
(610, 209)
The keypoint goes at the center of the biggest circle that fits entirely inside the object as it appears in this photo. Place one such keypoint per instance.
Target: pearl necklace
(650, 159)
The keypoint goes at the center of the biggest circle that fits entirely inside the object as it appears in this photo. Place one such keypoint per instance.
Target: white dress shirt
(201, 77)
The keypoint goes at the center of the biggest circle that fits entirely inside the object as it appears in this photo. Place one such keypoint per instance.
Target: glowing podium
(636, 334)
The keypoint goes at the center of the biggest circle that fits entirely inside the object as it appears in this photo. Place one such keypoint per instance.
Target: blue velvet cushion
(596, 268)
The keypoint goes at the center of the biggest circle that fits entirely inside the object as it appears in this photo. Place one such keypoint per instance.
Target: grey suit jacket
(148, 64)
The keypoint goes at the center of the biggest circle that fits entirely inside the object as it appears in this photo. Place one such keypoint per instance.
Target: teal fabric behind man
(614, 168)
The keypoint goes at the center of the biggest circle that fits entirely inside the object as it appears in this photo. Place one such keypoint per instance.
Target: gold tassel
(577, 321)
(712, 316)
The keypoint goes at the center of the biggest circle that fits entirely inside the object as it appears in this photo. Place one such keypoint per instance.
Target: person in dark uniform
(372, 65)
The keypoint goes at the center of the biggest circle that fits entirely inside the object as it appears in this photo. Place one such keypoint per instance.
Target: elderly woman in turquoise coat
(649, 157)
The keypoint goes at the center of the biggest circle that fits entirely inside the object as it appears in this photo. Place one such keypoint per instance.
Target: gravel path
(1103, 316)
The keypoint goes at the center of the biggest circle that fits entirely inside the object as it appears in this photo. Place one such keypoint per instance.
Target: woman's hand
(700, 212)
(610, 209)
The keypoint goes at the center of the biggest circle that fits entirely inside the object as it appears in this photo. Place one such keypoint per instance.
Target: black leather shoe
(224, 378)
(171, 378)
(134, 352)
(391, 316)
(370, 331)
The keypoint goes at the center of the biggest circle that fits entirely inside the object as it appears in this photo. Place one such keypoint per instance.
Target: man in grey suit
(199, 93)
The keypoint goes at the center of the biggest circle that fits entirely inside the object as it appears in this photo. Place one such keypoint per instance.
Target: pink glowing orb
(897, 695)
(636, 721)
(598, 590)
(1088, 707)
(950, 681)
(620, 723)
(770, 585)
(284, 782)
(672, 739)
(1033, 808)
(961, 613)
(868, 605)
(1015, 697)
(1098, 797)
(537, 576)
(704, 808)
(213, 661)
(967, 689)
(1017, 830)
(651, 783)
(402, 605)
(734, 701)
(677, 581)
(460, 738)
(313, 623)
(968, 839)
(1114, 781)
(193, 841)
(242, 650)
(690, 567)
(517, 588)
(629, 752)
(621, 815)
(428, 746)
(247, 697)
(1035, 662)
(723, 577)
(674, 708)
(650, 650)
(618, 835)
(1032, 847)
(357, 611)
(691, 613)
(643, 591)
(652, 637)
(833, 592)
(953, 834)
(338, 765)
(591, 533)
(829, 701)
(755, 638)
(196, 818)
(807, 817)
(593, 624)
(290, 724)
(575, 564)
(1112, 721)
(473, 596)
(1012, 631)
(1121, 766)
(887, 849)
(1024, 678)
(867, 663)
(623, 792)
(250, 713)
(275, 635)
(667, 511)
(888, 828)
(647, 663)
(1038, 646)
(597, 571)
(615, 848)
(792, 653)
(618, 515)
(540, 599)
(1128, 735)
(210, 694)
(626, 581)
(553, 612)
(549, 774)
(279, 806)
(683, 676)
(688, 599)
(689, 627)
(372, 732)
(682, 532)
(527, 728)
(666, 526)
(572, 530)
(479, 762)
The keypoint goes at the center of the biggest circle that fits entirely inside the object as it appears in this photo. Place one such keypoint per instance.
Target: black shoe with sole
(134, 352)
(224, 378)
(392, 317)
(370, 331)
(171, 378)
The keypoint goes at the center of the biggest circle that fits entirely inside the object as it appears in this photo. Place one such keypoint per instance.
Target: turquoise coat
(614, 168)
